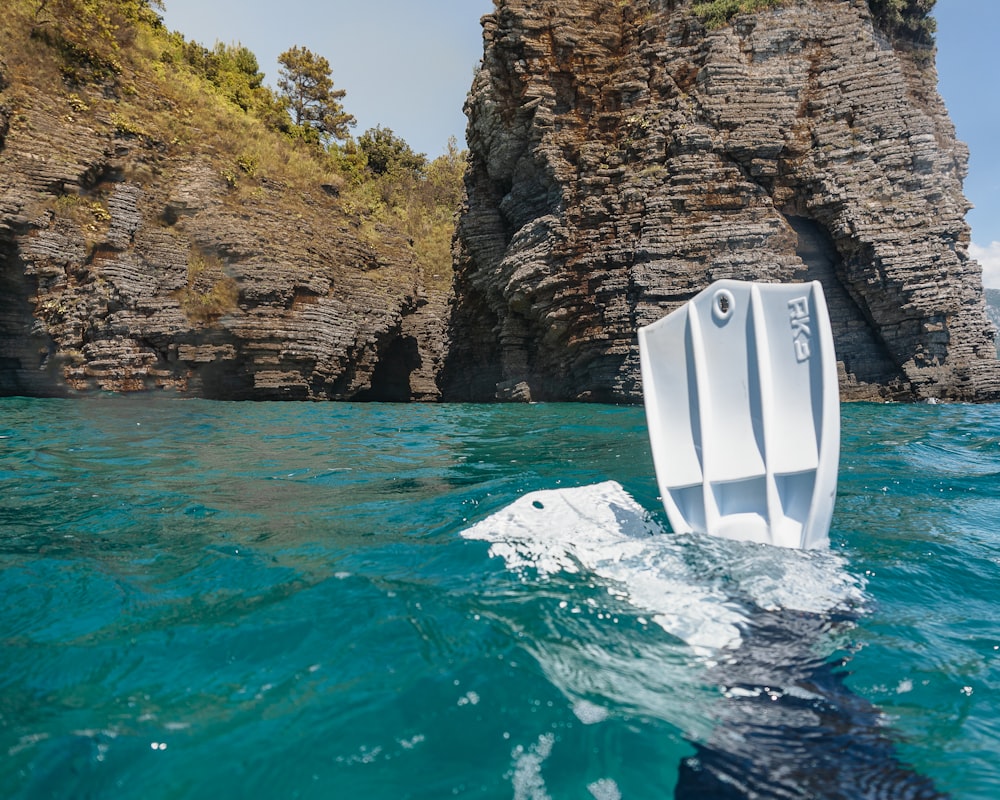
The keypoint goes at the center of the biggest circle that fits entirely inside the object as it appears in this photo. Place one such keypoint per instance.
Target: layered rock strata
(127, 264)
(624, 157)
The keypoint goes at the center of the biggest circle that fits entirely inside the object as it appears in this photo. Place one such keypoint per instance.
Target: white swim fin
(741, 395)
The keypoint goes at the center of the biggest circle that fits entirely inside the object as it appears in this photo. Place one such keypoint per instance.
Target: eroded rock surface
(128, 263)
(624, 157)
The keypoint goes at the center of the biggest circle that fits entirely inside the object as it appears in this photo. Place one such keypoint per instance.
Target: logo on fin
(799, 320)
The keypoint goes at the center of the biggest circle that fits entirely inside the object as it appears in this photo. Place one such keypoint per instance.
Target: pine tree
(307, 91)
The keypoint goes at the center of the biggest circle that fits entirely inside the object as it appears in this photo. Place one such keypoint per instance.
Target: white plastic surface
(741, 395)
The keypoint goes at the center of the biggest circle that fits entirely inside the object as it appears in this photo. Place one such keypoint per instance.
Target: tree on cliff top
(307, 91)
(388, 154)
(906, 20)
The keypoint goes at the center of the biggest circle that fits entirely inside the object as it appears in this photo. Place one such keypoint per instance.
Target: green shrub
(92, 36)
(125, 126)
(209, 293)
(717, 13)
(233, 72)
(388, 154)
(248, 163)
(906, 21)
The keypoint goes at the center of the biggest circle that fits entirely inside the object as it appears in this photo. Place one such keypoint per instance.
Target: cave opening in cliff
(224, 379)
(25, 364)
(391, 377)
(860, 348)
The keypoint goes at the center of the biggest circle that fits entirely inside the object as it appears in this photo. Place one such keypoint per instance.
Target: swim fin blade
(742, 403)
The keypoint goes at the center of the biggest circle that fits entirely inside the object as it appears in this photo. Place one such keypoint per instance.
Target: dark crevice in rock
(860, 348)
(4, 125)
(390, 381)
(472, 370)
(97, 174)
(27, 366)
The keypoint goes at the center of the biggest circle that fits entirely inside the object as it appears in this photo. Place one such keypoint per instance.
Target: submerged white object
(601, 531)
(741, 395)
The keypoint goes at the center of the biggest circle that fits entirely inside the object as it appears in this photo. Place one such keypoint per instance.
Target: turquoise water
(205, 600)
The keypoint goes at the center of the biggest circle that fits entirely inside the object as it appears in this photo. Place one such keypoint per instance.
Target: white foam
(605, 789)
(601, 530)
(804, 580)
(776, 578)
(526, 776)
(590, 713)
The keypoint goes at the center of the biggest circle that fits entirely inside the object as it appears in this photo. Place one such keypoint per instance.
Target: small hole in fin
(538, 504)
(722, 305)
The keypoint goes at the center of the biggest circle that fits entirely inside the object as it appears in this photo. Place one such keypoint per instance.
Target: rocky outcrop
(624, 156)
(132, 262)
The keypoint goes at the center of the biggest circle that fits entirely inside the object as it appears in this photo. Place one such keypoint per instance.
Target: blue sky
(407, 66)
(966, 63)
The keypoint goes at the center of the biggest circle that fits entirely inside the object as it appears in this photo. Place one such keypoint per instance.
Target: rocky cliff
(625, 155)
(142, 246)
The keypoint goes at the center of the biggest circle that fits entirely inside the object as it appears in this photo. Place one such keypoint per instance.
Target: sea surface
(264, 600)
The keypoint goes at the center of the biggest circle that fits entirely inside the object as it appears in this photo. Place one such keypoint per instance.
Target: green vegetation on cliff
(307, 93)
(92, 36)
(906, 21)
(390, 184)
(716, 13)
(112, 65)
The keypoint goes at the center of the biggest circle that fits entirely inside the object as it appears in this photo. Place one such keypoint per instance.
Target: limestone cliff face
(624, 156)
(125, 266)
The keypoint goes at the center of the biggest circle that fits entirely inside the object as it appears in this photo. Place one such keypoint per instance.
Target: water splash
(700, 589)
